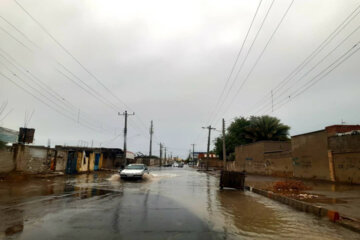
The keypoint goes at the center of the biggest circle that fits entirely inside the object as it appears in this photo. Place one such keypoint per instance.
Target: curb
(333, 216)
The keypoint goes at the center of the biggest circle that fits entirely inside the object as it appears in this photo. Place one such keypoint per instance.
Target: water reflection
(246, 214)
(11, 222)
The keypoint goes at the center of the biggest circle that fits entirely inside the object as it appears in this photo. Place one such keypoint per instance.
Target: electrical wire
(246, 57)
(326, 71)
(236, 60)
(313, 54)
(75, 59)
(260, 56)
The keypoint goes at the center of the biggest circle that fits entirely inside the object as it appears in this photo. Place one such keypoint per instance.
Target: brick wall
(332, 130)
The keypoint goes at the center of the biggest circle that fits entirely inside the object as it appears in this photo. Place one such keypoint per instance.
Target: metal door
(97, 159)
(71, 163)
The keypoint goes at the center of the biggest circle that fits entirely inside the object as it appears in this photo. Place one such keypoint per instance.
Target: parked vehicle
(134, 171)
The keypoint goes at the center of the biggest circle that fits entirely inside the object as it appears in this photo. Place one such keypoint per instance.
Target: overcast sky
(168, 61)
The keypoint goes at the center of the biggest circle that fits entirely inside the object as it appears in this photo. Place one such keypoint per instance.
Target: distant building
(213, 160)
(8, 135)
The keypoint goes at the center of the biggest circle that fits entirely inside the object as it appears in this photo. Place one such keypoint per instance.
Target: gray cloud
(168, 61)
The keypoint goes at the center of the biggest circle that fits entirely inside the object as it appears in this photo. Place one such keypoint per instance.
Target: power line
(75, 59)
(316, 65)
(237, 58)
(260, 55)
(40, 100)
(97, 95)
(53, 97)
(313, 54)
(321, 60)
(326, 71)
(246, 56)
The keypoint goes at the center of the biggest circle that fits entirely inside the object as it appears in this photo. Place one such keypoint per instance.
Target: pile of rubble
(289, 186)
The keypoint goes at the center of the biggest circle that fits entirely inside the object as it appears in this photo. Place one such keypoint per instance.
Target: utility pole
(165, 155)
(160, 153)
(151, 133)
(126, 114)
(193, 151)
(224, 146)
(208, 146)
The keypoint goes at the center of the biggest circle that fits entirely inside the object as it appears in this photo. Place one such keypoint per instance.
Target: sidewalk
(342, 198)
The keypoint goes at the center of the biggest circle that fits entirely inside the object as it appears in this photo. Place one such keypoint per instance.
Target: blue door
(97, 159)
(71, 163)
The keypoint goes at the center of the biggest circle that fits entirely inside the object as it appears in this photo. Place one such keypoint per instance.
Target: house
(213, 160)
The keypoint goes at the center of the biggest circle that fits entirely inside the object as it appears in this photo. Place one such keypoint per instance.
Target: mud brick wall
(279, 164)
(6, 160)
(264, 157)
(310, 155)
(346, 156)
(32, 159)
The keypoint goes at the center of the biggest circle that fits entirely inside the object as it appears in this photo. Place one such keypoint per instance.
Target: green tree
(243, 131)
(266, 128)
(235, 135)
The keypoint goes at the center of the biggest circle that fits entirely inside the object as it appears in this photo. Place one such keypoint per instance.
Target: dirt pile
(289, 186)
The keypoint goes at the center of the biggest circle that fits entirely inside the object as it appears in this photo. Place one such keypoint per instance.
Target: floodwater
(170, 203)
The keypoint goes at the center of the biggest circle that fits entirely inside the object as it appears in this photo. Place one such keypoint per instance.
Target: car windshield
(135, 167)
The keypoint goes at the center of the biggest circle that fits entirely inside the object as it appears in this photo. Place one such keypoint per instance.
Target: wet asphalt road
(168, 204)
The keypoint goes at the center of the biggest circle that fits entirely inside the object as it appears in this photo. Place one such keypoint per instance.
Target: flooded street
(169, 203)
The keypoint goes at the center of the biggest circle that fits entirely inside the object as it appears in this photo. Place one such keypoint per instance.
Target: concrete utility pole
(151, 133)
(224, 146)
(208, 145)
(126, 114)
(193, 151)
(160, 153)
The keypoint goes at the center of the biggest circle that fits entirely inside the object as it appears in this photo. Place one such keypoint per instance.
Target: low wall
(6, 160)
(148, 161)
(216, 163)
(32, 159)
(212, 163)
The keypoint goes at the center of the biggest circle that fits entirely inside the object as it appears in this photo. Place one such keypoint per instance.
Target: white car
(134, 171)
